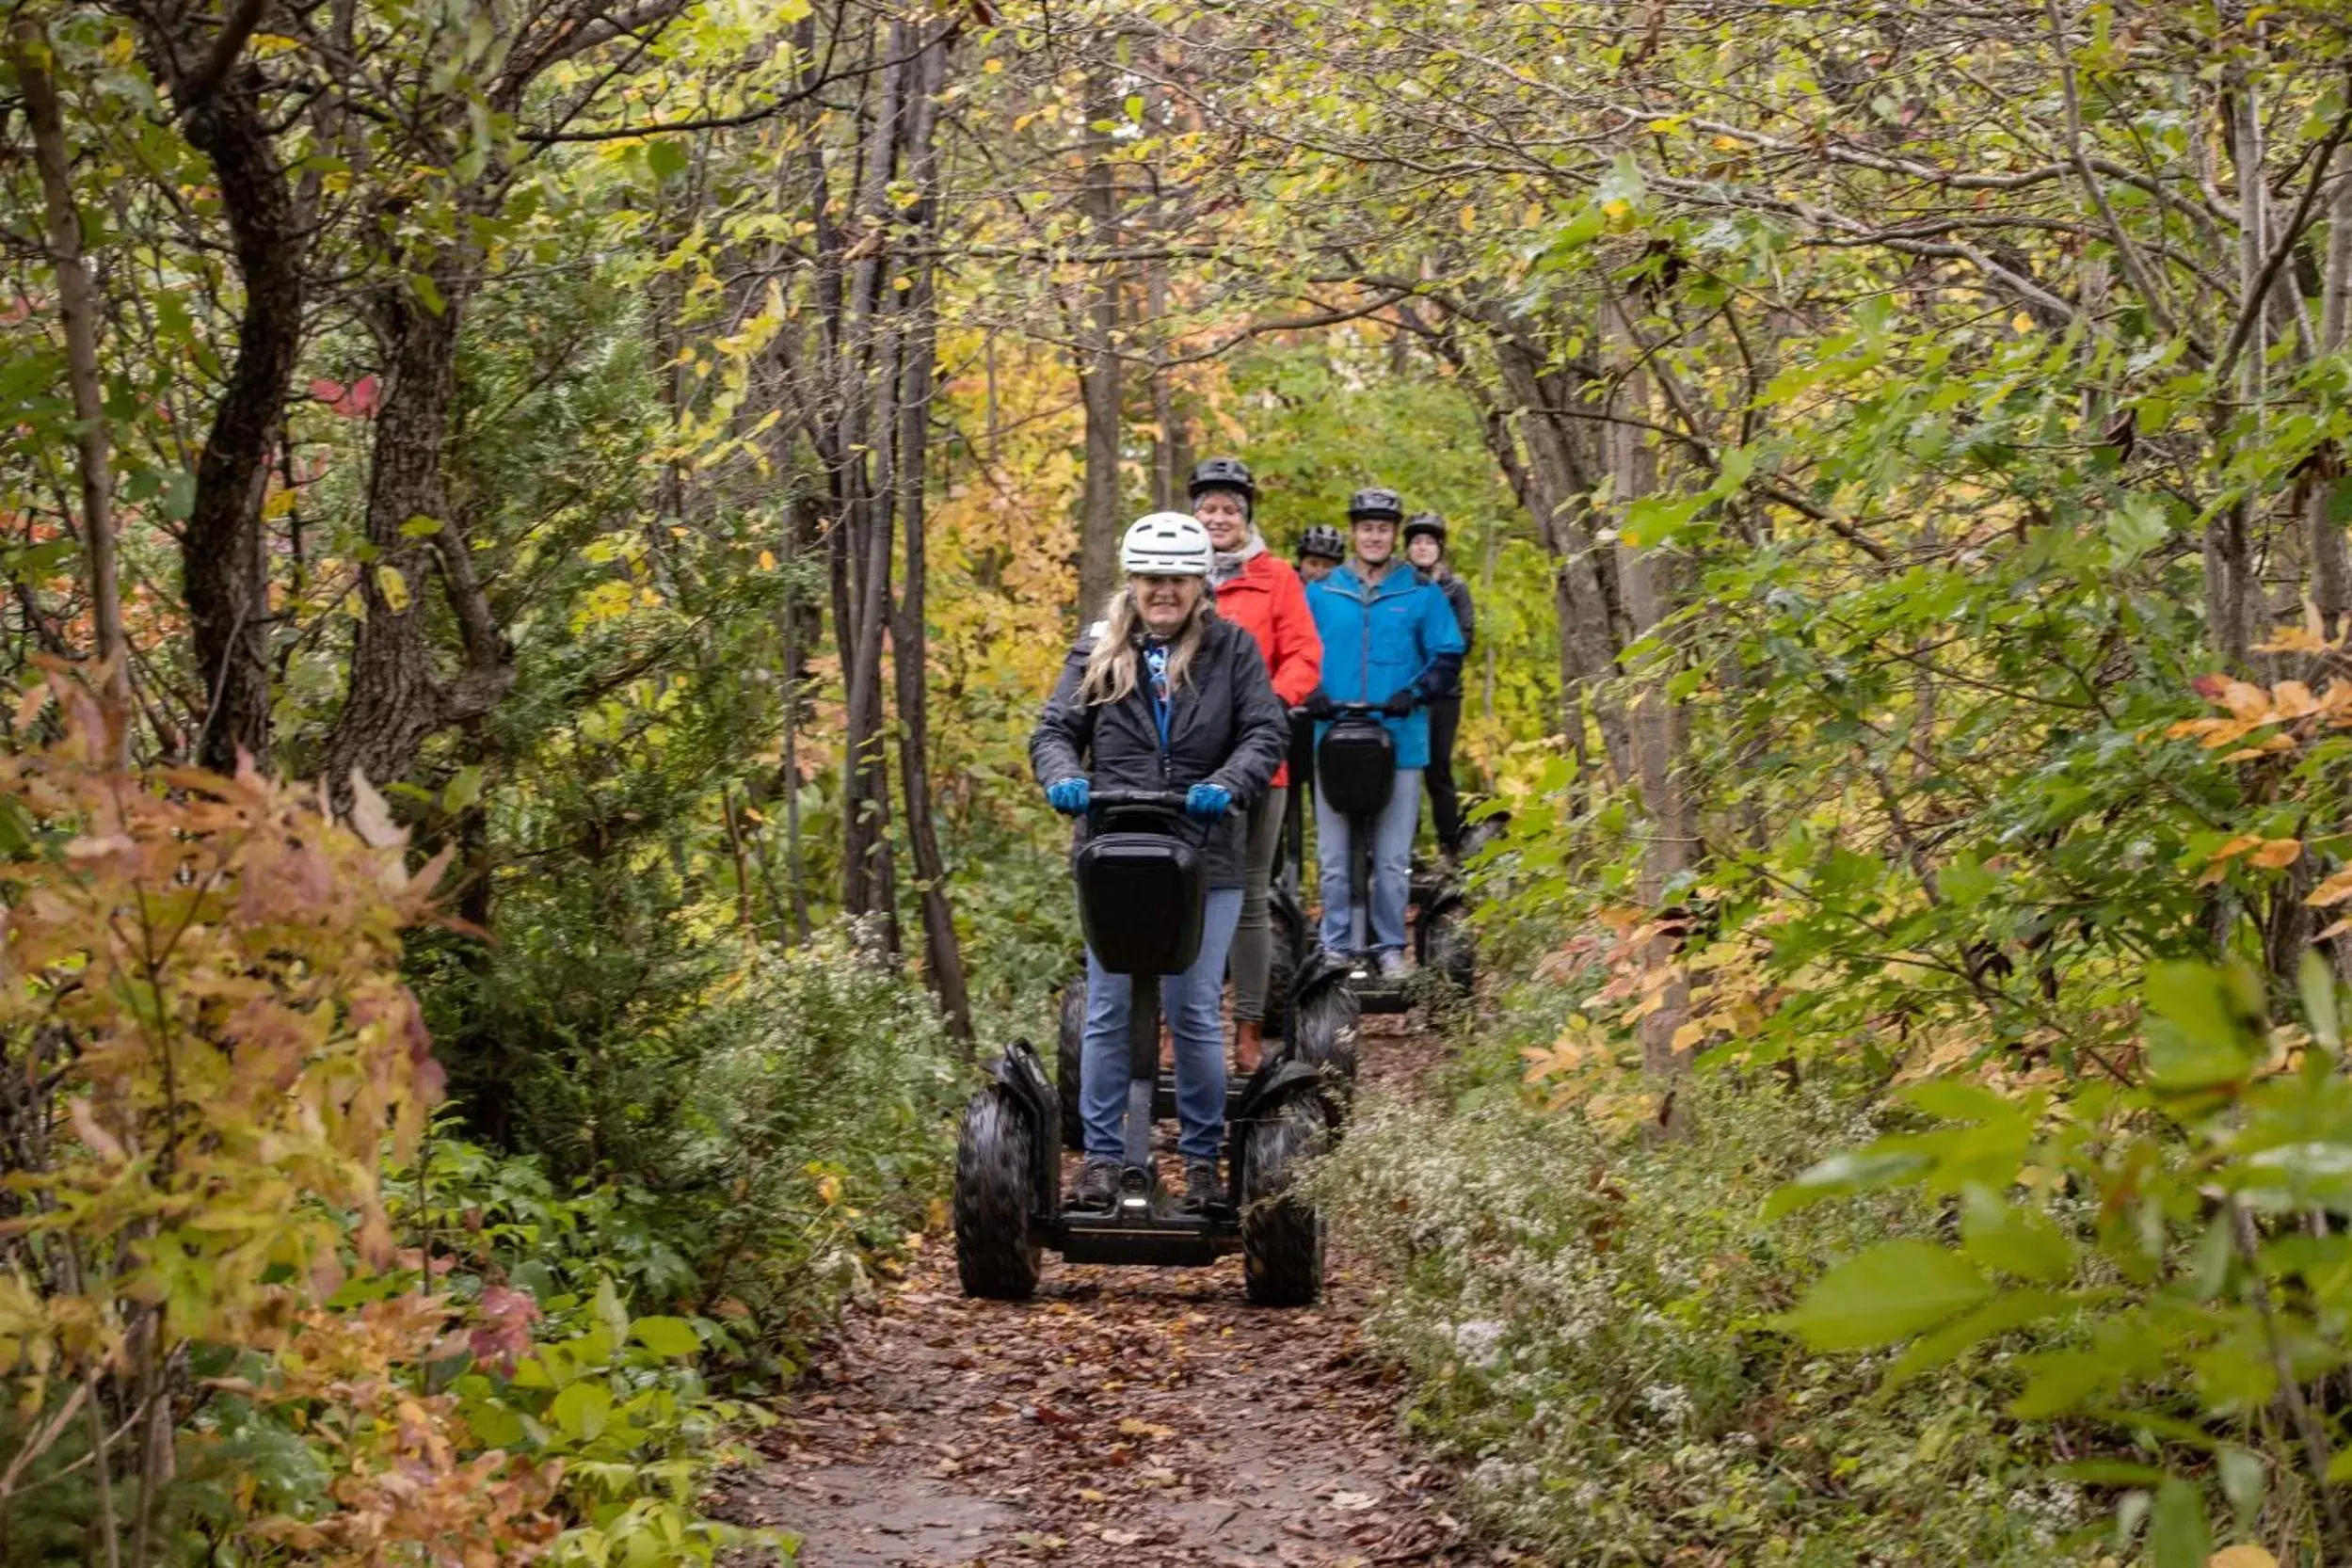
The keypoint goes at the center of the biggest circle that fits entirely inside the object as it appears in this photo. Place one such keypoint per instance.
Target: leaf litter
(1129, 1417)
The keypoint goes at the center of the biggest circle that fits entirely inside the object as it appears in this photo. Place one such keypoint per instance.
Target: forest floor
(1129, 1417)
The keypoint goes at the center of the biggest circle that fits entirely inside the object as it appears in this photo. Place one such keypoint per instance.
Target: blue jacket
(1381, 639)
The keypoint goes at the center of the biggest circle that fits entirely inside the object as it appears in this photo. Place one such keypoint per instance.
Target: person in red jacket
(1257, 591)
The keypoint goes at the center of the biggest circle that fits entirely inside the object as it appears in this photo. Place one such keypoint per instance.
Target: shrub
(1587, 1318)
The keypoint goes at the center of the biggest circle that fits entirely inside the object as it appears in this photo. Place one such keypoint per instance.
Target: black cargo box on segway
(1141, 897)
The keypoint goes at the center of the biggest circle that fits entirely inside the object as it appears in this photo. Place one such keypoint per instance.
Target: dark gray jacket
(1457, 594)
(1225, 726)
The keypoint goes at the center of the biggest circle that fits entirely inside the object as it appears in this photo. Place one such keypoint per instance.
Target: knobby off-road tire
(1068, 1046)
(1447, 950)
(996, 1240)
(1282, 1235)
(1324, 1035)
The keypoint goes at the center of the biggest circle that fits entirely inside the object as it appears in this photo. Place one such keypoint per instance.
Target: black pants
(1444, 801)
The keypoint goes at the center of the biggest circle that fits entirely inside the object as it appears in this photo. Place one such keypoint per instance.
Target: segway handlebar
(1351, 709)
(1135, 800)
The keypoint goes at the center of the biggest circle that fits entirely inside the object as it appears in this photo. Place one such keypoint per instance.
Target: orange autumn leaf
(2331, 891)
(2275, 852)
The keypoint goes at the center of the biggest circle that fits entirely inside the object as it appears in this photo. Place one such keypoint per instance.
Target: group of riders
(1188, 685)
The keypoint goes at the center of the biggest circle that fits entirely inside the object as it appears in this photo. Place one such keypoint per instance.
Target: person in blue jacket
(1390, 641)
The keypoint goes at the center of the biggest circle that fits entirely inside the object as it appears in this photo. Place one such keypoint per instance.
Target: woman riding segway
(1391, 643)
(1261, 594)
(1162, 695)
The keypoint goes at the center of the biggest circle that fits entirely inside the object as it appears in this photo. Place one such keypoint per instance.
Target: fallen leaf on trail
(1352, 1502)
(2241, 1557)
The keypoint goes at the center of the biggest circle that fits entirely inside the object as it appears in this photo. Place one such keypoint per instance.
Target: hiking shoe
(1201, 1185)
(1098, 1182)
(1393, 964)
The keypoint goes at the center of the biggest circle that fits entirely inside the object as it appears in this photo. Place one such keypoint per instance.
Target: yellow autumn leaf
(830, 1187)
(767, 560)
(394, 587)
(2332, 891)
(1469, 218)
(2020, 322)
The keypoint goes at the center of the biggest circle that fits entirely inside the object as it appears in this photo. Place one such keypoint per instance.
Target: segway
(1330, 1039)
(1355, 769)
(1141, 892)
(1322, 1017)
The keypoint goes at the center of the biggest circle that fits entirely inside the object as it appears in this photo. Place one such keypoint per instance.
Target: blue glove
(1207, 802)
(1068, 796)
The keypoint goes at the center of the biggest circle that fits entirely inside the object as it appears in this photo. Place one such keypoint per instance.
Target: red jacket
(1269, 602)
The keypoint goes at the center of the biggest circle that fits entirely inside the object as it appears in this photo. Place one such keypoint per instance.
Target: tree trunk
(1561, 470)
(2331, 568)
(943, 960)
(1659, 739)
(798, 536)
(224, 569)
(77, 308)
(1100, 376)
(394, 699)
(865, 386)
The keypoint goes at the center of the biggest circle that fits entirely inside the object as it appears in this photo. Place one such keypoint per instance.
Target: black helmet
(1425, 522)
(1374, 501)
(1223, 474)
(1324, 540)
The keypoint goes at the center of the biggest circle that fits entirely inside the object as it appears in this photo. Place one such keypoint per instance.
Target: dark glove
(1207, 802)
(1318, 706)
(1401, 703)
(1068, 796)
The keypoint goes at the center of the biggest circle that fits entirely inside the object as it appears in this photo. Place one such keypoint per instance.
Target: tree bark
(1099, 375)
(77, 310)
(1659, 736)
(224, 569)
(394, 700)
(1561, 470)
(865, 388)
(919, 329)
(2331, 566)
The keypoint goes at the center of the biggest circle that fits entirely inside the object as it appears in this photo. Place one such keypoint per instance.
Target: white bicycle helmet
(1165, 544)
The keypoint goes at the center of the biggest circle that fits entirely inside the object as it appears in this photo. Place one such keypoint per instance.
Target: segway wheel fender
(997, 1246)
(1281, 1234)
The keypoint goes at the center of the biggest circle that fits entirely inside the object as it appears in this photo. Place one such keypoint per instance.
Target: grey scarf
(1224, 568)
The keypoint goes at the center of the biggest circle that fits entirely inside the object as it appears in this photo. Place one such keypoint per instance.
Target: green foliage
(1590, 1324)
(754, 1133)
(2186, 1232)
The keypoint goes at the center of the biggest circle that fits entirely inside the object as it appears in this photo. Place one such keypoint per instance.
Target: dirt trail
(1129, 1417)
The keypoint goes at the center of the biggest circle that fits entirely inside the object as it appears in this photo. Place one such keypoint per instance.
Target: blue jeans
(1193, 1003)
(1392, 868)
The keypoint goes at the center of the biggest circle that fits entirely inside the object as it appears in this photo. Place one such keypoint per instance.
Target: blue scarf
(1156, 661)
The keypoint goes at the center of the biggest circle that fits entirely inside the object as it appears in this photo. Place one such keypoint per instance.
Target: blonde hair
(1111, 668)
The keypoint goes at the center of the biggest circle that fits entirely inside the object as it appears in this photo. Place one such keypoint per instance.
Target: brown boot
(1167, 1049)
(1249, 1044)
